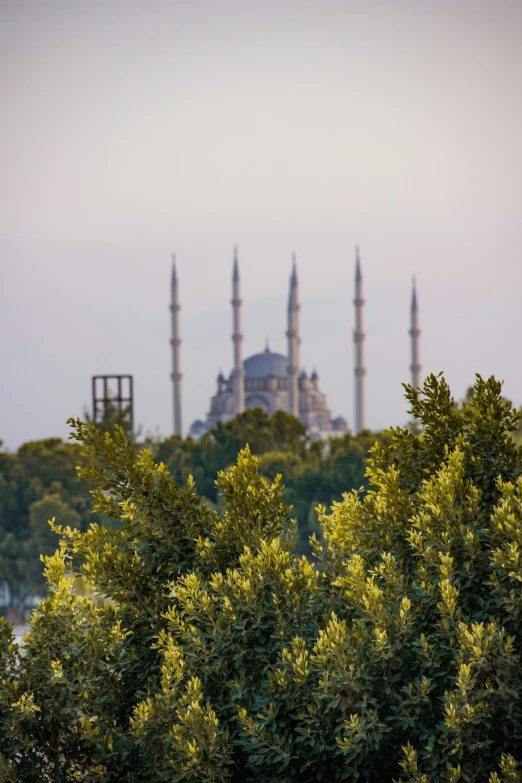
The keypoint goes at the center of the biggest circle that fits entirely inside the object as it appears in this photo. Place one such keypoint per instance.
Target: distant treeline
(39, 482)
(314, 472)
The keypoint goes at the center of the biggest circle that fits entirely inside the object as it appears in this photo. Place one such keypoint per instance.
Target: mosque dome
(269, 381)
(266, 365)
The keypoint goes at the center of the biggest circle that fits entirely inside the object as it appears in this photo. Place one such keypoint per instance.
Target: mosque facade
(266, 387)
(274, 382)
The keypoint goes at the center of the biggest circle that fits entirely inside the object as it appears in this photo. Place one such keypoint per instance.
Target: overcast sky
(134, 129)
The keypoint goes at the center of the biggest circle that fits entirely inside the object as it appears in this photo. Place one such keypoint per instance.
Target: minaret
(293, 344)
(358, 339)
(415, 335)
(175, 342)
(237, 339)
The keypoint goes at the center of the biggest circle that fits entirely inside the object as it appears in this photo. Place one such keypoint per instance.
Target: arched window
(256, 401)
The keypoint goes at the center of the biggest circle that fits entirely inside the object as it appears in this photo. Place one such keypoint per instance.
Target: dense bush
(39, 482)
(314, 472)
(221, 656)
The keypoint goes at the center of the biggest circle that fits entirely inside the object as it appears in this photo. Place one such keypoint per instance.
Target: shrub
(223, 656)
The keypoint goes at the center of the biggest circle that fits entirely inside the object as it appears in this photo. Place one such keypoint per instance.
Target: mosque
(274, 382)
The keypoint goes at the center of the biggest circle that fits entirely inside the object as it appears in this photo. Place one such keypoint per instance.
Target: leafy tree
(20, 565)
(38, 482)
(223, 656)
(113, 414)
(517, 435)
(279, 432)
(218, 449)
(313, 473)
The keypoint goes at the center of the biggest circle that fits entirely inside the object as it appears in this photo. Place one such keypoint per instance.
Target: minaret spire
(294, 342)
(414, 333)
(358, 340)
(237, 339)
(175, 342)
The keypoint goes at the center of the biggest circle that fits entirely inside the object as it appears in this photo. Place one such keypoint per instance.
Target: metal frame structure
(120, 400)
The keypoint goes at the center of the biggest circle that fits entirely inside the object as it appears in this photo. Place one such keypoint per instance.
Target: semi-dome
(266, 365)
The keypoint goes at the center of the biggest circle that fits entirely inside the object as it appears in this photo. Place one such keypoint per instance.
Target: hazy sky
(134, 129)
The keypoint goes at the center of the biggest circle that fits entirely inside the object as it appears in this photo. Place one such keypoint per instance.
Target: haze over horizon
(134, 130)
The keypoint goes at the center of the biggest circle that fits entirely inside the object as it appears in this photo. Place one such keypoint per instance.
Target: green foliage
(219, 448)
(39, 482)
(36, 483)
(315, 473)
(222, 656)
(113, 414)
